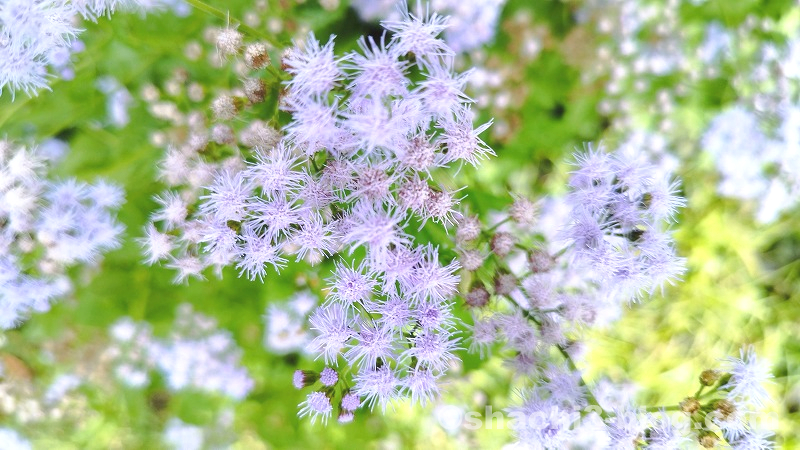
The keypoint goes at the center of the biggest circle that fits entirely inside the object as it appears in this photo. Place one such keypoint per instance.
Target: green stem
(560, 252)
(206, 8)
(497, 225)
(663, 408)
(699, 391)
(706, 394)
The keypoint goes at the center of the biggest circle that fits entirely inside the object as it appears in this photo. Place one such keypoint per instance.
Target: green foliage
(743, 285)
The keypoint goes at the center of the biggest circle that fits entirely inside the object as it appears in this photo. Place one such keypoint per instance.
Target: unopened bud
(471, 260)
(222, 134)
(707, 439)
(304, 378)
(255, 90)
(709, 377)
(523, 211)
(285, 57)
(350, 401)
(346, 416)
(478, 297)
(328, 377)
(229, 41)
(260, 134)
(502, 243)
(469, 228)
(504, 283)
(690, 405)
(256, 56)
(224, 107)
(725, 408)
(540, 261)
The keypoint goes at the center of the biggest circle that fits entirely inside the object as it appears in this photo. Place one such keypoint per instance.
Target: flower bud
(502, 243)
(469, 228)
(540, 261)
(690, 405)
(523, 211)
(725, 408)
(255, 90)
(707, 439)
(350, 401)
(709, 377)
(478, 297)
(328, 377)
(224, 107)
(256, 56)
(345, 416)
(471, 260)
(504, 283)
(229, 41)
(260, 134)
(304, 378)
(222, 134)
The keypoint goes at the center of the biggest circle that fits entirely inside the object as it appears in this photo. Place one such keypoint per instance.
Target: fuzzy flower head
(316, 405)
(747, 378)
(48, 227)
(620, 210)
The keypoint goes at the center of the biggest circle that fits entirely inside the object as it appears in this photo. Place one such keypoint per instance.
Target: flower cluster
(754, 165)
(471, 24)
(615, 249)
(37, 34)
(620, 205)
(31, 403)
(652, 52)
(535, 299)
(352, 170)
(47, 227)
(196, 355)
(728, 398)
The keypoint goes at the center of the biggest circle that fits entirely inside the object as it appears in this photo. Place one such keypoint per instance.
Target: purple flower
(331, 324)
(314, 69)
(379, 386)
(316, 404)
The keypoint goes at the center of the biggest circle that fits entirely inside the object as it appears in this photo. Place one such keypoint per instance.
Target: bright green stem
(663, 408)
(497, 225)
(699, 391)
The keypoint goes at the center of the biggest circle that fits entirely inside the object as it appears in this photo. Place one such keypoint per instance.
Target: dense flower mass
(46, 227)
(38, 36)
(605, 247)
(620, 206)
(470, 24)
(332, 184)
(352, 170)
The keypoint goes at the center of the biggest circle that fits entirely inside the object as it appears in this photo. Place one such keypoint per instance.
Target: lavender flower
(748, 376)
(348, 175)
(57, 224)
(317, 404)
(39, 35)
(196, 355)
